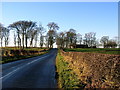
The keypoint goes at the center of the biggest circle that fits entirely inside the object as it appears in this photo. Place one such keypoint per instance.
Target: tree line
(28, 32)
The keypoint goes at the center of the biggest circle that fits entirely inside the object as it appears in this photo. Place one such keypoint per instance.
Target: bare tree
(90, 39)
(52, 33)
(41, 31)
(72, 37)
(23, 27)
(66, 40)
(6, 36)
(15, 39)
(52, 26)
(51, 38)
(35, 39)
(1, 34)
(60, 40)
(32, 36)
(26, 28)
(79, 38)
(104, 40)
(16, 26)
(41, 41)
(46, 41)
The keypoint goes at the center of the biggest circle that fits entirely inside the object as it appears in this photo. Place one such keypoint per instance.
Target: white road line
(36, 60)
(22, 67)
(10, 73)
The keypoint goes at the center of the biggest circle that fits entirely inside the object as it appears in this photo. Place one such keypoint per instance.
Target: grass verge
(65, 76)
(29, 48)
(19, 57)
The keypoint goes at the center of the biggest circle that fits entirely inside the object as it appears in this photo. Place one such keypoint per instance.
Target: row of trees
(28, 32)
(71, 38)
(66, 39)
(109, 43)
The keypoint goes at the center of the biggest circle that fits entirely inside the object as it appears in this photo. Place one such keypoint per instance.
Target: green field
(95, 50)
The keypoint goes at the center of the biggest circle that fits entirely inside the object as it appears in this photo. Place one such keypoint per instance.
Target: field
(10, 54)
(95, 70)
(96, 50)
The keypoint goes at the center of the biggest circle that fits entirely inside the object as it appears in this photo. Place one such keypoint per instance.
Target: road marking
(10, 73)
(37, 60)
(22, 67)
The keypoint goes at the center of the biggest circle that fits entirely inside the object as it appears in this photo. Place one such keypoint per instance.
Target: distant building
(100, 47)
(80, 46)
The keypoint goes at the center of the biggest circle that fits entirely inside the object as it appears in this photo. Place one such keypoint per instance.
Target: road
(36, 72)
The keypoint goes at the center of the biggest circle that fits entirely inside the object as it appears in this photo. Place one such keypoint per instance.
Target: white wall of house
(100, 47)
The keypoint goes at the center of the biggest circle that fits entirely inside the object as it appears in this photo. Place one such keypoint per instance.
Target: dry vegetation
(65, 76)
(95, 70)
(12, 54)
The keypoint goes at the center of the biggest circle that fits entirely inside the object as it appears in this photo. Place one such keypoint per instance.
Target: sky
(84, 17)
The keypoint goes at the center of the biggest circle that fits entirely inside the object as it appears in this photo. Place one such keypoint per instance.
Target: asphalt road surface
(36, 72)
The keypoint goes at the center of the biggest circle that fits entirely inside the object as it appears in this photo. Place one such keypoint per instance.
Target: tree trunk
(35, 41)
(19, 40)
(1, 42)
(5, 43)
(26, 41)
(31, 41)
(23, 40)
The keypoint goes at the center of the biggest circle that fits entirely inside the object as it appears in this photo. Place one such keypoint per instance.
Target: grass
(66, 77)
(19, 57)
(29, 48)
(14, 57)
(96, 50)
